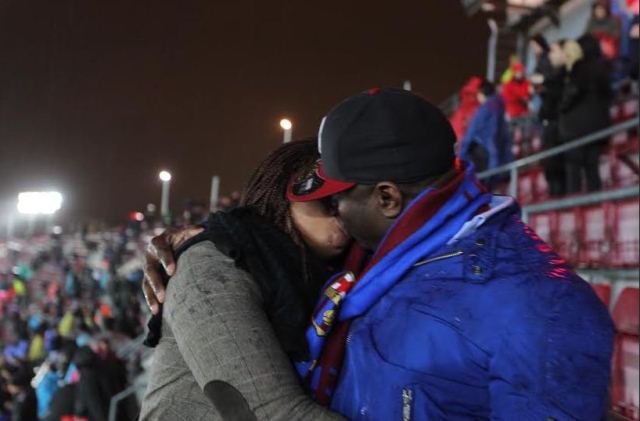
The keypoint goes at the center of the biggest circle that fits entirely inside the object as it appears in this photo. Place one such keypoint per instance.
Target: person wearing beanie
(462, 311)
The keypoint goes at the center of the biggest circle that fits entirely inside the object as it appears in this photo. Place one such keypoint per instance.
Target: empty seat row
(604, 235)
(625, 385)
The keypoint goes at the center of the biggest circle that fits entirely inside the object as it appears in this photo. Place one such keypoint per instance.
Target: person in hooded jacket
(605, 28)
(584, 109)
(468, 97)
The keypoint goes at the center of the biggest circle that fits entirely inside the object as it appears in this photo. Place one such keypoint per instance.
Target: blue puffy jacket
(494, 326)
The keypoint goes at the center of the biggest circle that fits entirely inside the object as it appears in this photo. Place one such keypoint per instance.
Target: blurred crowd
(566, 94)
(68, 304)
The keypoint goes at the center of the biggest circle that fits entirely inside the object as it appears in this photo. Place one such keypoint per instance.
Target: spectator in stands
(24, 403)
(540, 48)
(253, 272)
(236, 198)
(225, 204)
(507, 75)
(551, 94)
(467, 107)
(517, 93)
(584, 109)
(93, 397)
(487, 143)
(605, 28)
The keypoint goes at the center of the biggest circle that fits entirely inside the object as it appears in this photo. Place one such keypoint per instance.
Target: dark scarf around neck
(289, 278)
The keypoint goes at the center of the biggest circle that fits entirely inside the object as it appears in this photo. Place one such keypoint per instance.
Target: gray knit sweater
(218, 346)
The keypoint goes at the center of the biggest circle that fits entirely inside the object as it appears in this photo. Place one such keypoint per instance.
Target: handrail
(131, 347)
(113, 403)
(590, 138)
(583, 200)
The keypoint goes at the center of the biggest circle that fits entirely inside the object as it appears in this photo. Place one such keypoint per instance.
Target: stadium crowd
(566, 95)
(67, 304)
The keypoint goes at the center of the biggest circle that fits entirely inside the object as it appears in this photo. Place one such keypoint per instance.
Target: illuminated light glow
(57, 230)
(165, 176)
(286, 124)
(526, 3)
(39, 203)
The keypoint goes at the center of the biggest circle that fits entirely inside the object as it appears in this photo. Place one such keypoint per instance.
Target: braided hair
(267, 188)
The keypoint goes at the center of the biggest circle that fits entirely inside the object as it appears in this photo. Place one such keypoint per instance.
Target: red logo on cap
(374, 91)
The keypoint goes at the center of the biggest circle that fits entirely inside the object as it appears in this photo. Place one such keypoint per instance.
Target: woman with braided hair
(234, 314)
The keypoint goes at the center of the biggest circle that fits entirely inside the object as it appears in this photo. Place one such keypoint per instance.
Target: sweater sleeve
(215, 311)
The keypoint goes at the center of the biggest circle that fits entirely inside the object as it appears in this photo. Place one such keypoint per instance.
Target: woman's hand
(159, 263)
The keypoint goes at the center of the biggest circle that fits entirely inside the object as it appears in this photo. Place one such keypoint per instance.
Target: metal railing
(513, 168)
(117, 398)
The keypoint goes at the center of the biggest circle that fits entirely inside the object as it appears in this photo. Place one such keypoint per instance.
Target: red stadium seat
(566, 239)
(526, 193)
(544, 224)
(625, 313)
(625, 387)
(595, 235)
(606, 168)
(625, 233)
(603, 291)
(540, 186)
(629, 108)
(615, 112)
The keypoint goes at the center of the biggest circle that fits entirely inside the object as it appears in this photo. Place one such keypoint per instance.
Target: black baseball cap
(385, 135)
(314, 185)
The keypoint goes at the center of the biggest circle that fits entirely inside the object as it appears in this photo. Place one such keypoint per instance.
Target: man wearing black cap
(463, 312)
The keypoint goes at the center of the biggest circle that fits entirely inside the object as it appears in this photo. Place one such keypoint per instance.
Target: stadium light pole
(491, 50)
(214, 194)
(287, 127)
(165, 177)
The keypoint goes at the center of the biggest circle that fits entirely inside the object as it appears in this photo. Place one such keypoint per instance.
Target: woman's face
(600, 11)
(556, 55)
(319, 228)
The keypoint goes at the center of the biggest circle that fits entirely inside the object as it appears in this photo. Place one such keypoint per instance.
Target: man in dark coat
(551, 94)
(92, 397)
(25, 407)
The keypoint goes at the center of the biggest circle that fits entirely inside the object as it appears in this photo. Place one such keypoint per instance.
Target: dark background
(97, 96)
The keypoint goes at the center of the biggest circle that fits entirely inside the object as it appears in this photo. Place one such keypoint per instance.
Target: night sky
(97, 96)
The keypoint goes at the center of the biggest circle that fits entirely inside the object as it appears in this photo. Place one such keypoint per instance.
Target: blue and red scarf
(426, 225)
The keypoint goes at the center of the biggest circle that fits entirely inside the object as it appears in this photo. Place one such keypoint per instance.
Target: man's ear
(388, 198)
